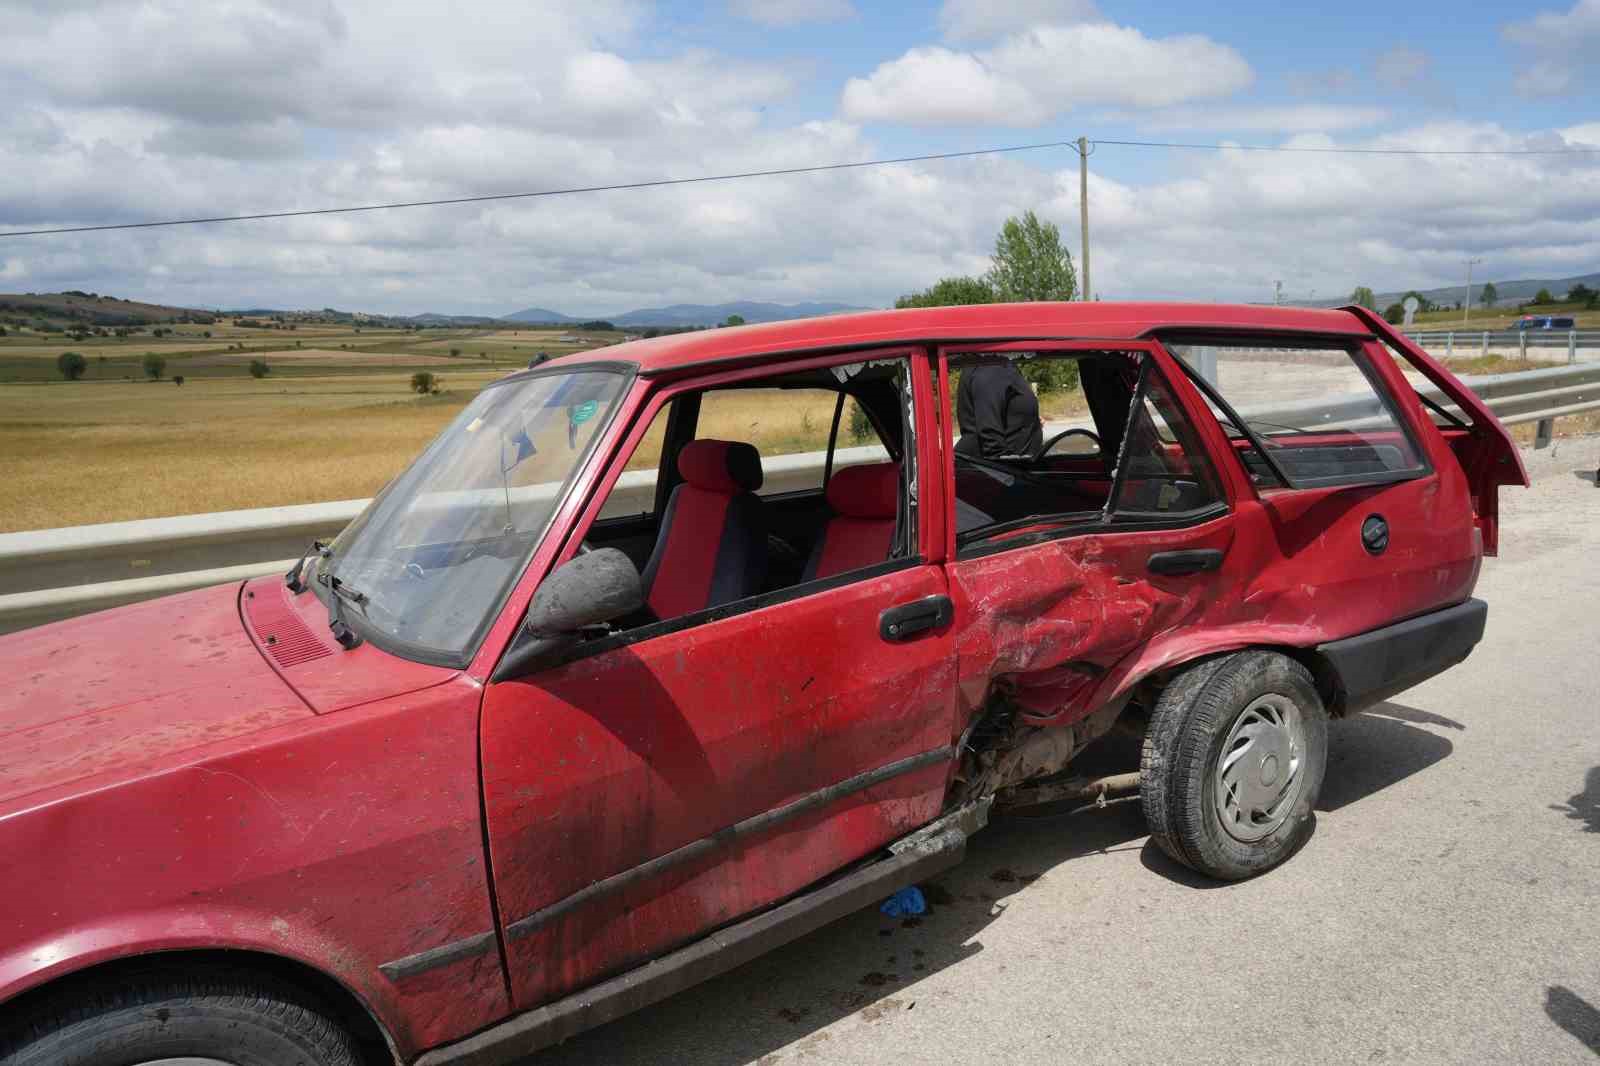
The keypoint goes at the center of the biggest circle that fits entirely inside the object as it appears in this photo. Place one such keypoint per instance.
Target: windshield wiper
(295, 578)
(339, 591)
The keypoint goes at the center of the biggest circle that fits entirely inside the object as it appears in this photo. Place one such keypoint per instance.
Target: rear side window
(1306, 415)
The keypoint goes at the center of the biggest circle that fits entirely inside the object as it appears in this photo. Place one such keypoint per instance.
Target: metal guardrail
(1574, 344)
(56, 573)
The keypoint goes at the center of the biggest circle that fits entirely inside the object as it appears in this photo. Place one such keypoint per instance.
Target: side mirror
(589, 589)
(595, 587)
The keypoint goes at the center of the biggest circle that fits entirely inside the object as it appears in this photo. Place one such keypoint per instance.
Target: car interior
(713, 537)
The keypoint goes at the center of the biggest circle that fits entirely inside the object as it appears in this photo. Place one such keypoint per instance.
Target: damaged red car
(664, 655)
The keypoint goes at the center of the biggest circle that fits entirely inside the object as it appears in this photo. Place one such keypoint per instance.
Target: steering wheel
(1044, 449)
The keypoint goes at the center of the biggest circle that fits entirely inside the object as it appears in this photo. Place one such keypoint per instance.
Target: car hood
(123, 691)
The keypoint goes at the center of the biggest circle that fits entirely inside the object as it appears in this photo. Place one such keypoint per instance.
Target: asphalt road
(1445, 909)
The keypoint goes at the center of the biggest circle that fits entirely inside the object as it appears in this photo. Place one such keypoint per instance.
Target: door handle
(903, 621)
(1194, 561)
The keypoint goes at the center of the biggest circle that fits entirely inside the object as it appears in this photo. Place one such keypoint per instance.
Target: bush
(455, 353)
(2, 331)
(177, 379)
(1050, 375)
(259, 368)
(72, 365)
(860, 424)
(1543, 297)
(425, 384)
(1394, 314)
(154, 366)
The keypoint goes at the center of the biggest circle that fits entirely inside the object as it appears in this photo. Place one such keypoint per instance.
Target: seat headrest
(871, 490)
(721, 465)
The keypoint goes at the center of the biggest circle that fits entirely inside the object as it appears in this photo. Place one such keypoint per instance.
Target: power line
(1353, 151)
(1075, 145)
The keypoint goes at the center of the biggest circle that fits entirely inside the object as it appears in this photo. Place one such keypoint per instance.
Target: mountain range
(691, 314)
(1506, 292)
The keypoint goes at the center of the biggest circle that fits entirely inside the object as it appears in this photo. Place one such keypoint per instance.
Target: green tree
(1364, 297)
(1394, 314)
(949, 292)
(259, 369)
(154, 366)
(1580, 294)
(1543, 297)
(72, 365)
(1423, 303)
(1489, 295)
(734, 320)
(1029, 262)
(424, 383)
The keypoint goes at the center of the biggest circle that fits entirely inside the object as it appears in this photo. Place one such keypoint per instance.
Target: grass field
(334, 420)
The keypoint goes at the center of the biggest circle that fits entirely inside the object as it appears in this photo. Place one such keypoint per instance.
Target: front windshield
(429, 561)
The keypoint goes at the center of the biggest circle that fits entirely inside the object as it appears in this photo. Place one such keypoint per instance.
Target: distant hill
(539, 314)
(694, 314)
(1507, 293)
(91, 309)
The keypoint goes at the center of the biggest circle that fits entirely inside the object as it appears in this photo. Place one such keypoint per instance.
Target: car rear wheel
(1233, 762)
(204, 1017)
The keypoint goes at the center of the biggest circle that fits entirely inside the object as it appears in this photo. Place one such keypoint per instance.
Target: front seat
(711, 548)
(865, 500)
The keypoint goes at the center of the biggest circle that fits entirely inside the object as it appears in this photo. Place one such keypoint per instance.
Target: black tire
(1183, 759)
(152, 1014)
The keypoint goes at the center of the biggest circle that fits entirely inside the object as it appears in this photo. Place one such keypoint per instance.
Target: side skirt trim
(721, 839)
(914, 858)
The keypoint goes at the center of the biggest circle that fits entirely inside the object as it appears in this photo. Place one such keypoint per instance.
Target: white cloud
(1556, 47)
(985, 20)
(792, 12)
(466, 110)
(1326, 82)
(1401, 67)
(1034, 76)
(1586, 133)
(1289, 118)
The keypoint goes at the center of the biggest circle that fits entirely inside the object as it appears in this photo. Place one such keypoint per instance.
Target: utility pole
(1083, 208)
(1466, 306)
(1277, 293)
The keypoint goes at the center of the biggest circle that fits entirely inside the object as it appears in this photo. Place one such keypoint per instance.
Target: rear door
(1485, 451)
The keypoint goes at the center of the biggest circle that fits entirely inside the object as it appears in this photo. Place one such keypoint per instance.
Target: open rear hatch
(1483, 447)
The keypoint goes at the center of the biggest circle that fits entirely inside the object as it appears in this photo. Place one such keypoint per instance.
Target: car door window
(1163, 472)
(790, 427)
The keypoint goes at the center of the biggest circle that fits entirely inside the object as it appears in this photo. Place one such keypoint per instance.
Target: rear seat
(865, 500)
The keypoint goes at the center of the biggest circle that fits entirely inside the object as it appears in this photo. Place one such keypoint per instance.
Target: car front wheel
(1233, 762)
(199, 1017)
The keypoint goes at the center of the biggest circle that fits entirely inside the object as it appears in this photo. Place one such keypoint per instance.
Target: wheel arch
(351, 1010)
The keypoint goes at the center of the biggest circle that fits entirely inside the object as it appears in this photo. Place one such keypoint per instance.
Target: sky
(133, 111)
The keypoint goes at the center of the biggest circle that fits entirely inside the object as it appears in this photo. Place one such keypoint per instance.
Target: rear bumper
(1375, 665)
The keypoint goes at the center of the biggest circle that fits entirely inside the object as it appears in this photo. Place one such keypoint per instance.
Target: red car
(664, 655)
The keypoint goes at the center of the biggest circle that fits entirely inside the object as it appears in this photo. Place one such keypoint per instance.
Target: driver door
(669, 778)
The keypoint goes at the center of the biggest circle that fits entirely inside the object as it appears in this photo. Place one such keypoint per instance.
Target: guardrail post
(1485, 342)
(1522, 344)
(1450, 344)
(1572, 346)
(1544, 432)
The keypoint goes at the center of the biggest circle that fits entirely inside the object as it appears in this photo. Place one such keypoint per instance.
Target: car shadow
(1574, 1014)
(1587, 475)
(1585, 806)
(865, 964)
(1380, 747)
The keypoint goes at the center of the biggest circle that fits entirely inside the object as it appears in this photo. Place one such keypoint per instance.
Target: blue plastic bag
(905, 903)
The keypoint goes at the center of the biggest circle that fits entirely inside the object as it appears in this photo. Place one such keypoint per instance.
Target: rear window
(1561, 323)
(1318, 411)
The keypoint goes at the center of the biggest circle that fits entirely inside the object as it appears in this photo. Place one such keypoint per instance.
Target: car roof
(978, 322)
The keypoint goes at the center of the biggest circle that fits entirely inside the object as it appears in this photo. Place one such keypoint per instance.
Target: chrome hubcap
(1258, 778)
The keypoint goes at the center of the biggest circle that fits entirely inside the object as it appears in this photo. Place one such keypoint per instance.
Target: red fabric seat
(865, 501)
(711, 547)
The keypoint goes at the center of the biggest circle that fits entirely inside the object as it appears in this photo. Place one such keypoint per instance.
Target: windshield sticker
(584, 411)
(475, 424)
